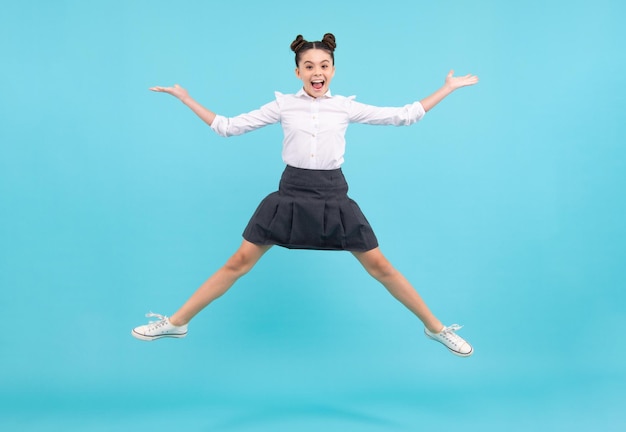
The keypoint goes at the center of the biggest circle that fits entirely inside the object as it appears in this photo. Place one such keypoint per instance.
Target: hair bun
(329, 41)
(297, 43)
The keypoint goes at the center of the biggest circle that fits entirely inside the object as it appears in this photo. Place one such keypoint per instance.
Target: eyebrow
(323, 61)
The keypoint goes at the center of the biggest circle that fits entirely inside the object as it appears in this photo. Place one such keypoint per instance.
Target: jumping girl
(311, 209)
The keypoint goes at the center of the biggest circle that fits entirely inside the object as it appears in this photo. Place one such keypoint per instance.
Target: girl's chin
(312, 91)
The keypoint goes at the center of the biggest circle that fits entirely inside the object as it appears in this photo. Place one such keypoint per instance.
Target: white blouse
(315, 128)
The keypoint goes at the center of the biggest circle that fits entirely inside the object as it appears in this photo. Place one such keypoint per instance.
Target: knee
(380, 268)
(240, 263)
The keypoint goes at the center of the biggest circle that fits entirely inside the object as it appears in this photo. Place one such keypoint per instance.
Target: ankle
(436, 329)
(176, 322)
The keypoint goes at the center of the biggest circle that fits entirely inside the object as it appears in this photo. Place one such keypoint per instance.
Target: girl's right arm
(177, 91)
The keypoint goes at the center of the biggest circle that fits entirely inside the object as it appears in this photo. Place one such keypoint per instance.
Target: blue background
(505, 207)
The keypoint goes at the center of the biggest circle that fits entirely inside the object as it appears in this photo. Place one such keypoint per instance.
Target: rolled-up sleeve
(396, 116)
(243, 123)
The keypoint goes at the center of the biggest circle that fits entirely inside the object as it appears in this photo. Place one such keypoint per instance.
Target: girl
(311, 209)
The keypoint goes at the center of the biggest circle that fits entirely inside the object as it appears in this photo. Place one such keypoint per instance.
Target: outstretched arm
(177, 91)
(452, 83)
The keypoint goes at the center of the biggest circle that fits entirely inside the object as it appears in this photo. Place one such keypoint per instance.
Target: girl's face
(315, 69)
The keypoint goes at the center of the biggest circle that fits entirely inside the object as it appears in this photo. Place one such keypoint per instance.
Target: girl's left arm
(452, 83)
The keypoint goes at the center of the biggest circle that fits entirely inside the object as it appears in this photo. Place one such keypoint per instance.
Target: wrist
(448, 88)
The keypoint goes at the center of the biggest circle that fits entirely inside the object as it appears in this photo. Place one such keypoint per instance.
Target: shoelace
(156, 324)
(449, 334)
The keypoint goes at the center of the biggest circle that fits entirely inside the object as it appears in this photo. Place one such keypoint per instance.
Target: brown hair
(328, 44)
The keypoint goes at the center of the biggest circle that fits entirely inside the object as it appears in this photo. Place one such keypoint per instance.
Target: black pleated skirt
(311, 210)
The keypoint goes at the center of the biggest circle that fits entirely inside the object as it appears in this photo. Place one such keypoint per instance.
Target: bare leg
(239, 264)
(381, 269)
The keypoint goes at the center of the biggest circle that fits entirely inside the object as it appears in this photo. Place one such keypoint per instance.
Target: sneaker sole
(151, 338)
(456, 353)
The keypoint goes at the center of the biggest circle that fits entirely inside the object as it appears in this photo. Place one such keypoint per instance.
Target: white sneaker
(159, 329)
(455, 343)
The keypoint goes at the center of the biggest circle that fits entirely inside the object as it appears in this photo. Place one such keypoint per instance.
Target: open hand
(176, 91)
(460, 81)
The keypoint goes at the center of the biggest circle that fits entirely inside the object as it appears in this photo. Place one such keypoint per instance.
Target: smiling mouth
(317, 85)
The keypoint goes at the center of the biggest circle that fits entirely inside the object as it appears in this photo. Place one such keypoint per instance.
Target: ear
(298, 72)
